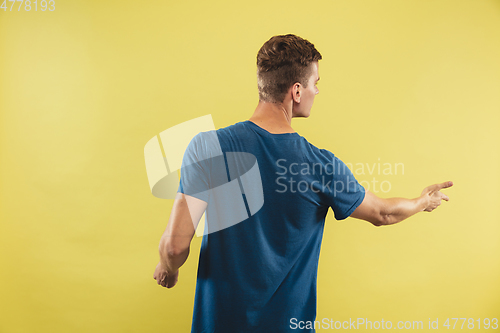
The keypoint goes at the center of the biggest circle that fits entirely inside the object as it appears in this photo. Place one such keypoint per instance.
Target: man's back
(266, 197)
(258, 274)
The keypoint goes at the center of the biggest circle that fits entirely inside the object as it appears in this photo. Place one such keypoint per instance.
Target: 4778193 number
(471, 323)
(29, 5)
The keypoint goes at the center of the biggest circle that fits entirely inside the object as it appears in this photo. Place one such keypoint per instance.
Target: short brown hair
(282, 61)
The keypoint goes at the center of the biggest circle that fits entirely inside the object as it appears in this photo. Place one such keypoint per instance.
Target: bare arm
(379, 211)
(175, 241)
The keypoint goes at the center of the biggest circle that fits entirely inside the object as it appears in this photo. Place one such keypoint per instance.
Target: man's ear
(296, 92)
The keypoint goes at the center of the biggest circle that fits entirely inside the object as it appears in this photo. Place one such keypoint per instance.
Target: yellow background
(83, 88)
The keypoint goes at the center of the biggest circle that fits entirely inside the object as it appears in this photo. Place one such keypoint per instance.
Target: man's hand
(163, 278)
(433, 196)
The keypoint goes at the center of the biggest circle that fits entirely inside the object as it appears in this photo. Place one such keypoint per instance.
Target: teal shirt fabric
(259, 275)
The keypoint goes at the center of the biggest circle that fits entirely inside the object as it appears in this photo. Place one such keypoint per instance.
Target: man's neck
(274, 118)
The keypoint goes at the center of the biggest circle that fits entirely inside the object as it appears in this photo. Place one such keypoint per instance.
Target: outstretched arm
(379, 211)
(175, 241)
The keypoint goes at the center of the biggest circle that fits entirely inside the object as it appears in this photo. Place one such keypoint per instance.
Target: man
(258, 274)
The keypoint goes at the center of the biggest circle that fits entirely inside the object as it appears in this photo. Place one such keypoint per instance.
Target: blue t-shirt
(265, 217)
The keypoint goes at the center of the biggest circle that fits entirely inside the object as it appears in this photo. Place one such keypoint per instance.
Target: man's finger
(444, 197)
(446, 184)
(171, 282)
(437, 187)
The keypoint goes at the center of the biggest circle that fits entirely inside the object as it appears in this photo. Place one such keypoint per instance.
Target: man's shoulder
(319, 152)
(239, 126)
(234, 128)
(237, 132)
(209, 143)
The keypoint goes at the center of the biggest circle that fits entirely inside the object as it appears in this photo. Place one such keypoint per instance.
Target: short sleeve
(197, 164)
(345, 194)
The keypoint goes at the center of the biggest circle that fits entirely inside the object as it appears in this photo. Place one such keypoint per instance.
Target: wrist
(421, 202)
(164, 266)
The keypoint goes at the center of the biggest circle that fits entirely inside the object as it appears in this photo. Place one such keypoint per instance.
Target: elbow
(386, 220)
(381, 220)
(175, 251)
